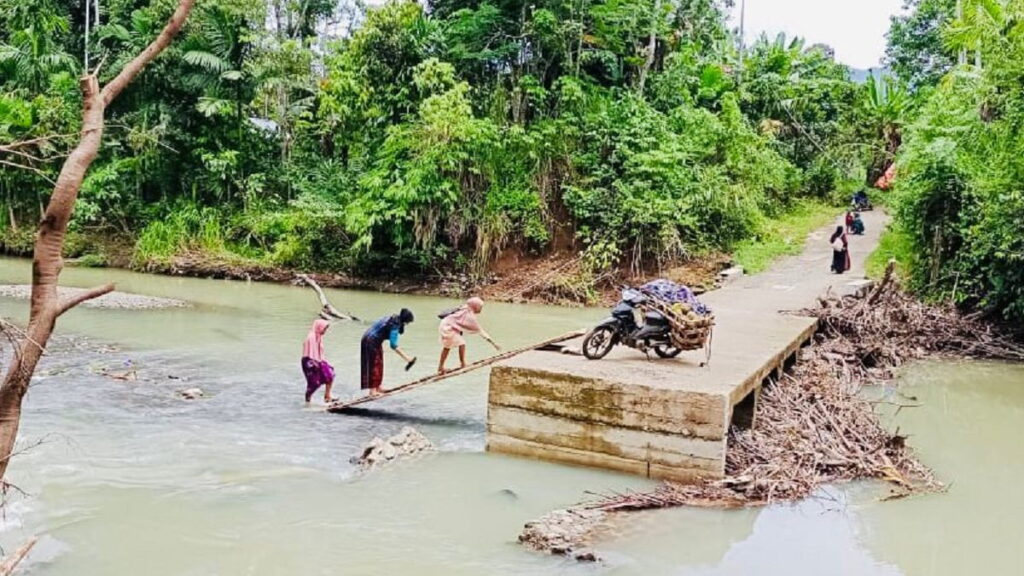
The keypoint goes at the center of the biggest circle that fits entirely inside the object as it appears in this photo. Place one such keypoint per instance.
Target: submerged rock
(564, 533)
(191, 393)
(380, 451)
(586, 556)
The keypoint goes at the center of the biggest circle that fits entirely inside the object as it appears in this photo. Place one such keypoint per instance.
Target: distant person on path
(371, 357)
(857, 227)
(849, 221)
(454, 325)
(317, 370)
(840, 251)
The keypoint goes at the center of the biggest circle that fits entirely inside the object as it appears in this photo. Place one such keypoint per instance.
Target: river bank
(560, 277)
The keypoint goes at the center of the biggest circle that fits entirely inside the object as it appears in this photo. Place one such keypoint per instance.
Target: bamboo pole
(339, 406)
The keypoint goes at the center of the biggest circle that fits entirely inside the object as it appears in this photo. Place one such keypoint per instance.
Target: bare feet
(374, 392)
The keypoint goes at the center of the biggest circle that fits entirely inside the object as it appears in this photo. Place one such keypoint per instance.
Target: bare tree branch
(10, 563)
(328, 311)
(37, 171)
(18, 152)
(84, 296)
(132, 69)
(23, 143)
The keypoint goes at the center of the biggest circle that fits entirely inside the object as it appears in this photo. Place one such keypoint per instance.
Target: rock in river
(564, 532)
(191, 393)
(380, 451)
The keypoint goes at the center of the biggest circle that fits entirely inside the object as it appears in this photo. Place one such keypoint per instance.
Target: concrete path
(794, 282)
(670, 418)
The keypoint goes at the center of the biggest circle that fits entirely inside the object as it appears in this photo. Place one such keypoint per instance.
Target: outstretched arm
(393, 341)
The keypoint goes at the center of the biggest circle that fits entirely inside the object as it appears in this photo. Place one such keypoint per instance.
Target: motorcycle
(652, 333)
(861, 205)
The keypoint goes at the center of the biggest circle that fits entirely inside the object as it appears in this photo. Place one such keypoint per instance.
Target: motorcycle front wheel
(664, 351)
(598, 342)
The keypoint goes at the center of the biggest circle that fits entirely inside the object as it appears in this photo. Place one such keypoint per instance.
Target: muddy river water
(123, 478)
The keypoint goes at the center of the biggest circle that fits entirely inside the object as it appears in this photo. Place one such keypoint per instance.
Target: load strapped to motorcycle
(672, 320)
(690, 330)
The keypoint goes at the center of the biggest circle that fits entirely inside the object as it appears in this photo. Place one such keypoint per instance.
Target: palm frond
(207, 61)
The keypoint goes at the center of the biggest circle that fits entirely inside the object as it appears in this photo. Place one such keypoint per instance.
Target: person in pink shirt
(461, 321)
(315, 368)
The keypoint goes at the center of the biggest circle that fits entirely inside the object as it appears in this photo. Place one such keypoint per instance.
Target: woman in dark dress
(387, 329)
(840, 251)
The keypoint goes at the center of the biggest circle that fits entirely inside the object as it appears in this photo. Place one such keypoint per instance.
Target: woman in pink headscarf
(453, 326)
(317, 370)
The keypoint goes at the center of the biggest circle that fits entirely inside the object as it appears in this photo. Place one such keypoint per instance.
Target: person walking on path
(840, 251)
(317, 370)
(371, 353)
(454, 325)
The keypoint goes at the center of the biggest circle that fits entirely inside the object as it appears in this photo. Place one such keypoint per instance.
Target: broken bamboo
(339, 406)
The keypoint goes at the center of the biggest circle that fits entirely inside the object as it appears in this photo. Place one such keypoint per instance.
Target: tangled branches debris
(813, 426)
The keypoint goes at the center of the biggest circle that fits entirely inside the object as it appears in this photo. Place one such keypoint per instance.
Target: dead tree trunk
(652, 47)
(47, 259)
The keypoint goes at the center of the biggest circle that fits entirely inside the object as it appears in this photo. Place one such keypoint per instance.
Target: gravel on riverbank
(113, 300)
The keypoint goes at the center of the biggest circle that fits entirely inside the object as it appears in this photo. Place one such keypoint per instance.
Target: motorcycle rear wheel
(598, 342)
(667, 351)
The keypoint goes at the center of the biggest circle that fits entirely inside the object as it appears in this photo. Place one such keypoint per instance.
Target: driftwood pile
(813, 426)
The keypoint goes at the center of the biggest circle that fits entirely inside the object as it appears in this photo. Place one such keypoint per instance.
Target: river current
(123, 478)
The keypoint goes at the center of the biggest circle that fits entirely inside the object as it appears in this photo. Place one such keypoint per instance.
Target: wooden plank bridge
(340, 406)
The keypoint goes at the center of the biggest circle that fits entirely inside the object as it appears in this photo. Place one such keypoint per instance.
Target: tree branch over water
(47, 261)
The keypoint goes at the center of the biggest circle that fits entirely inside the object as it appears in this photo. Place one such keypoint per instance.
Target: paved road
(794, 282)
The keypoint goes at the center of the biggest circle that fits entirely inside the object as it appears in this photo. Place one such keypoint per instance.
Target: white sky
(854, 28)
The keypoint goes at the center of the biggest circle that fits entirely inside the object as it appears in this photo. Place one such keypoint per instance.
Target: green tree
(960, 172)
(32, 50)
(916, 53)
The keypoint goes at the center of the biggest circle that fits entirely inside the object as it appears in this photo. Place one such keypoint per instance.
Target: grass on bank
(893, 244)
(784, 235)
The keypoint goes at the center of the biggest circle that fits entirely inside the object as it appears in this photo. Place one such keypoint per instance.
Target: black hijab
(836, 234)
(404, 317)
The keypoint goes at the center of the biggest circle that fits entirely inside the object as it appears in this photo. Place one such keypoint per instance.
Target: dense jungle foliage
(328, 136)
(960, 184)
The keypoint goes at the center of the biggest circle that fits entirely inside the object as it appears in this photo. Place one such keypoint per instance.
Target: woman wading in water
(317, 370)
(840, 251)
(388, 328)
(454, 325)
